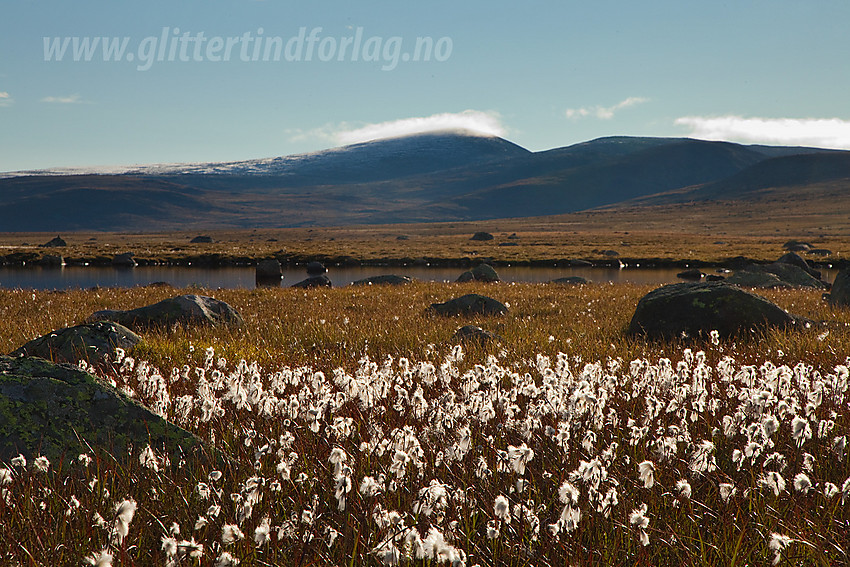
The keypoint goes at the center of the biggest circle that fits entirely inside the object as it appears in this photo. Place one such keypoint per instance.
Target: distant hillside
(441, 176)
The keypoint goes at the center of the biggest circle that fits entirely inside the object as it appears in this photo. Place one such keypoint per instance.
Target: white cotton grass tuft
(41, 464)
(777, 545)
(100, 559)
(683, 487)
(501, 509)
(230, 534)
(646, 471)
(639, 520)
(124, 512)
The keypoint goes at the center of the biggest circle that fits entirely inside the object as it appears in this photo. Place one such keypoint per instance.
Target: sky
(107, 82)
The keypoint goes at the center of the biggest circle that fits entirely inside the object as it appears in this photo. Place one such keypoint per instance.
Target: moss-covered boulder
(93, 342)
(470, 304)
(184, 310)
(692, 309)
(473, 334)
(57, 410)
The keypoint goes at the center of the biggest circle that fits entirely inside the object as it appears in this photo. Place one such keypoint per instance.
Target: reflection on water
(69, 277)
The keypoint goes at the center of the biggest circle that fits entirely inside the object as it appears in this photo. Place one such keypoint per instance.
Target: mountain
(439, 176)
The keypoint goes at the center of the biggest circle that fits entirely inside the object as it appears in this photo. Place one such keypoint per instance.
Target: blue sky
(542, 74)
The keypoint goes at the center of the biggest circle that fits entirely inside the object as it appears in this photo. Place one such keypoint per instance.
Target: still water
(70, 277)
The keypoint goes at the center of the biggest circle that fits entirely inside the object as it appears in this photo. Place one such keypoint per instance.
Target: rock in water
(470, 304)
(384, 280)
(124, 260)
(840, 292)
(480, 273)
(699, 308)
(269, 269)
(315, 268)
(181, 310)
(93, 342)
(693, 274)
(55, 410)
(314, 281)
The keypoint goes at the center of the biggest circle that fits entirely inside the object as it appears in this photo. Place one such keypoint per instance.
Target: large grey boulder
(93, 342)
(181, 310)
(759, 279)
(840, 292)
(482, 236)
(59, 411)
(388, 279)
(470, 304)
(698, 308)
(315, 268)
(480, 273)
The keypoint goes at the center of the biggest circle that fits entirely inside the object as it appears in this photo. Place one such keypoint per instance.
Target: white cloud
(604, 112)
(485, 123)
(818, 132)
(72, 99)
(5, 99)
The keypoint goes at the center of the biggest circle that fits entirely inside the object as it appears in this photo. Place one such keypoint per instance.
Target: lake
(70, 277)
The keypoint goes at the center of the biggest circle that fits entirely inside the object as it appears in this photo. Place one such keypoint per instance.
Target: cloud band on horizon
(604, 112)
(818, 132)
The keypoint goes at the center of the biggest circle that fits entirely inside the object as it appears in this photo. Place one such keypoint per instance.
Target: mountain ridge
(430, 177)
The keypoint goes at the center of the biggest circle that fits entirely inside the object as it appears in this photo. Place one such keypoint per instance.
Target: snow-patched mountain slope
(367, 161)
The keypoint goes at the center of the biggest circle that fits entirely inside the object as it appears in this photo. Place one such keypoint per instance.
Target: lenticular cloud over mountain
(485, 123)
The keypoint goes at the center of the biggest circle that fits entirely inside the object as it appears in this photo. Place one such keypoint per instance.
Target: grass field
(362, 434)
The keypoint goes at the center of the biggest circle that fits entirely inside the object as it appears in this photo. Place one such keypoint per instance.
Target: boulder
(610, 253)
(690, 274)
(51, 261)
(93, 342)
(124, 260)
(470, 304)
(388, 279)
(269, 269)
(797, 246)
(315, 268)
(54, 243)
(570, 280)
(714, 278)
(181, 310)
(513, 236)
(58, 411)
(201, 240)
(482, 236)
(480, 273)
(753, 278)
(508, 244)
(471, 333)
(692, 309)
(794, 259)
(820, 252)
(314, 281)
(840, 292)
(784, 275)
(580, 264)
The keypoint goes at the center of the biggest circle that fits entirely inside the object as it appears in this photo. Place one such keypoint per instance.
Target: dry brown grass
(327, 328)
